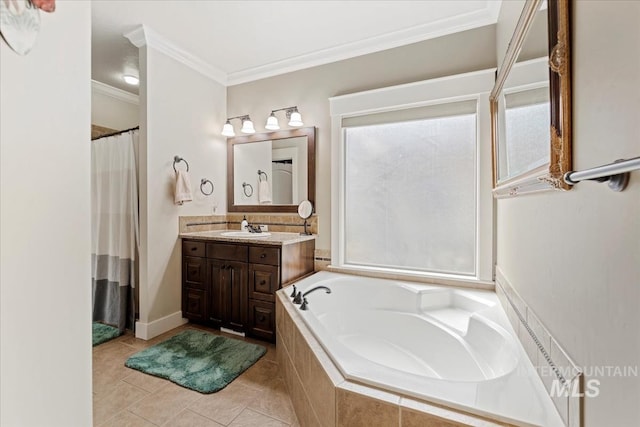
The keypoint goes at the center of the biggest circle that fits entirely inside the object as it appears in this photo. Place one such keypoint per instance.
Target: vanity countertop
(275, 239)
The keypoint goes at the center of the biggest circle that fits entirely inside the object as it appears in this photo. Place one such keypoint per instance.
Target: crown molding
(114, 92)
(145, 36)
(476, 19)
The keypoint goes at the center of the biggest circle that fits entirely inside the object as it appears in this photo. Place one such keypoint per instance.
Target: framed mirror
(531, 103)
(271, 172)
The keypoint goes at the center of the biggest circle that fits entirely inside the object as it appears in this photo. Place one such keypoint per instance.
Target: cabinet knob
(194, 248)
(262, 318)
(263, 282)
(263, 255)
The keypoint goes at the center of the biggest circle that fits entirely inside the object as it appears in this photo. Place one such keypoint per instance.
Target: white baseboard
(146, 331)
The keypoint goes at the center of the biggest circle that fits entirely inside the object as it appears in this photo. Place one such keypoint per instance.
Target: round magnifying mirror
(305, 209)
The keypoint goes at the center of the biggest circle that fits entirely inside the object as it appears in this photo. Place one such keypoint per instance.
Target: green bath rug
(103, 333)
(197, 360)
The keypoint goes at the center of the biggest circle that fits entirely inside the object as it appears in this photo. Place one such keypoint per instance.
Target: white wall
(45, 249)
(311, 89)
(181, 114)
(113, 108)
(574, 257)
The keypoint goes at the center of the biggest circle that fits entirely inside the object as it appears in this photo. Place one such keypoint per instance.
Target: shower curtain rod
(116, 133)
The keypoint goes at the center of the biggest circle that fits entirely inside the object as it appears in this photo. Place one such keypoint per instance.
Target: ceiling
(249, 40)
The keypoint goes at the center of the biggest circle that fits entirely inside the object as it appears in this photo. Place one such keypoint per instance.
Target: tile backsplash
(561, 377)
(291, 223)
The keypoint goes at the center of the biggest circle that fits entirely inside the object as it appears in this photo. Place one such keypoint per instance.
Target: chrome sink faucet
(305, 303)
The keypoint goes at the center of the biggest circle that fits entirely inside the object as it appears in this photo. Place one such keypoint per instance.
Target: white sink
(244, 234)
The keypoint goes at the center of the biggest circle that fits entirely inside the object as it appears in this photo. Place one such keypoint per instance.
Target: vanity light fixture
(131, 79)
(295, 119)
(247, 126)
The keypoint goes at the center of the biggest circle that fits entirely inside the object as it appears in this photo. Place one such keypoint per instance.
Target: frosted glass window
(527, 137)
(410, 195)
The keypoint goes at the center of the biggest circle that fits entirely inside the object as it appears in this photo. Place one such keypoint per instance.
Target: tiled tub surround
(544, 352)
(355, 368)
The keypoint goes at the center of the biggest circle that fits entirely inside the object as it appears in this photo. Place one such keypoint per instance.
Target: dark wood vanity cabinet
(233, 285)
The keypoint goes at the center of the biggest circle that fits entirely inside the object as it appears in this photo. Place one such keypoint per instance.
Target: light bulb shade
(227, 129)
(272, 123)
(247, 126)
(296, 119)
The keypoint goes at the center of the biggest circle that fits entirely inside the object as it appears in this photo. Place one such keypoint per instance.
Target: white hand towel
(264, 193)
(183, 188)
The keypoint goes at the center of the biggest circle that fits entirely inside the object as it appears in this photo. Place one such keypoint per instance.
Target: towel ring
(178, 159)
(204, 182)
(260, 173)
(244, 189)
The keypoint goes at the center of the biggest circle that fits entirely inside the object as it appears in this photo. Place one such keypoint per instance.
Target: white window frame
(462, 87)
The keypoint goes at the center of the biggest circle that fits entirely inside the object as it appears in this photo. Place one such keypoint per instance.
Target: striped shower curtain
(115, 230)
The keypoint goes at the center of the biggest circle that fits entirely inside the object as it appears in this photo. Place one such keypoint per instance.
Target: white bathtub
(446, 345)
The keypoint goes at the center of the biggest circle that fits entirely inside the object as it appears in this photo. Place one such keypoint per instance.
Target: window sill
(430, 278)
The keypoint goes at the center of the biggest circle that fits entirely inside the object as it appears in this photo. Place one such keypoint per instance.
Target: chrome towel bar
(616, 173)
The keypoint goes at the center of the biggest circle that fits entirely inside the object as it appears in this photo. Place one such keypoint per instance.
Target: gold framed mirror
(272, 171)
(531, 103)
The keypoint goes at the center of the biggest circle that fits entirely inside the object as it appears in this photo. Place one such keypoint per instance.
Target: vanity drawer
(261, 255)
(194, 271)
(194, 304)
(264, 281)
(230, 252)
(262, 320)
(191, 248)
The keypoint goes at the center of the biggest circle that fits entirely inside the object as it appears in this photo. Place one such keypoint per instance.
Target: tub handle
(293, 294)
(298, 298)
(304, 304)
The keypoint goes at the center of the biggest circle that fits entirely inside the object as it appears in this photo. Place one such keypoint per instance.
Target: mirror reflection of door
(284, 172)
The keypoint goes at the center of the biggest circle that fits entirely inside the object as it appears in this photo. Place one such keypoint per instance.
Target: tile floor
(125, 397)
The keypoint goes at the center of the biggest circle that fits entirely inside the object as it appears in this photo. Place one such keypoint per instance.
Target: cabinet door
(264, 281)
(194, 304)
(262, 319)
(216, 279)
(228, 293)
(236, 298)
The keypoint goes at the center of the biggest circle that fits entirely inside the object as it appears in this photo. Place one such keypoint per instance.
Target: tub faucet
(305, 303)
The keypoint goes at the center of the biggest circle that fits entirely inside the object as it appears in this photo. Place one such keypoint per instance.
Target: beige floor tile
(111, 354)
(189, 418)
(120, 397)
(144, 381)
(161, 406)
(126, 397)
(226, 404)
(275, 402)
(107, 377)
(261, 375)
(126, 419)
(249, 418)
